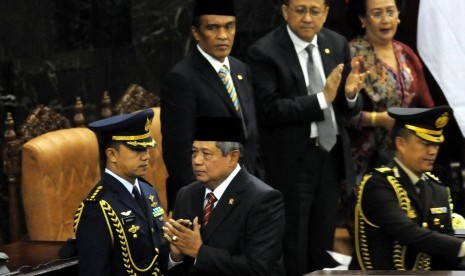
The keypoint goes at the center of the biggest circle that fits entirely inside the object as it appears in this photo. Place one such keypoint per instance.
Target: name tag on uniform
(438, 210)
(129, 219)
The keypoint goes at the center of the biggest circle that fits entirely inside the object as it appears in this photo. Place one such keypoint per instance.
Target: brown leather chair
(58, 170)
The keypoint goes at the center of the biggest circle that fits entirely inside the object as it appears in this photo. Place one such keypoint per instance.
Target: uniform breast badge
(158, 212)
(127, 213)
(153, 203)
(133, 230)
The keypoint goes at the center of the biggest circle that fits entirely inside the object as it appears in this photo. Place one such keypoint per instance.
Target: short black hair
(399, 131)
(358, 8)
(103, 146)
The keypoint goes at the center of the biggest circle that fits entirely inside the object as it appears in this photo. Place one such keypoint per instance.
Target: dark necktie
(208, 208)
(421, 190)
(229, 86)
(138, 198)
(326, 128)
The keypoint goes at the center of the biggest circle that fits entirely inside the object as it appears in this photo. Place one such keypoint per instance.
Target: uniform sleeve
(265, 230)
(94, 243)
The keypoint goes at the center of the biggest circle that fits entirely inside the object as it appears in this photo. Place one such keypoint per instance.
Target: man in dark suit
(195, 87)
(403, 214)
(119, 226)
(304, 88)
(237, 220)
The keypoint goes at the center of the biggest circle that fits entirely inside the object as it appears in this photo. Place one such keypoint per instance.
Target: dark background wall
(52, 51)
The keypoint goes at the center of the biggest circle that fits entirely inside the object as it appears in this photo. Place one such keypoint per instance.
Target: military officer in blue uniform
(119, 225)
(403, 212)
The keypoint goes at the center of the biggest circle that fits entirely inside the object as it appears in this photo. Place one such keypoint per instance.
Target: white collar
(128, 185)
(300, 44)
(219, 191)
(413, 177)
(213, 61)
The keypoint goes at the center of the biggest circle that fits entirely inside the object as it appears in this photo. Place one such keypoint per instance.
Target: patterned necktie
(138, 198)
(229, 86)
(326, 128)
(208, 208)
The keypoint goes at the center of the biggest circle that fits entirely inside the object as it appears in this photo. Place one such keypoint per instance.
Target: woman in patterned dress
(396, 79)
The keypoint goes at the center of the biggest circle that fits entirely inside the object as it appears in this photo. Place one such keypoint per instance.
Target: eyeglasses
(379, 14)
(302, 11)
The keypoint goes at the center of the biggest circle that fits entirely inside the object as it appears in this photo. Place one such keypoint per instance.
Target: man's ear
(400, 143)
(195, 33)
(284, 10)
(111, 154)
(235, 154)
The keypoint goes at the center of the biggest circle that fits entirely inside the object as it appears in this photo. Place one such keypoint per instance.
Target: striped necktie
(227, 81)
(208, 208)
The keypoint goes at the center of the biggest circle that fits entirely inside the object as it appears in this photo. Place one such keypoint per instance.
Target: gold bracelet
(373, 118)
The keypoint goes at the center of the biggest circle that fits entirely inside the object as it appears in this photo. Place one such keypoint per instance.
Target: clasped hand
(356, 78)
(354, 81)
(184, 237)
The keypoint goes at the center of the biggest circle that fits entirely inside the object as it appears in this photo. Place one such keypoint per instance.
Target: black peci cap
(426, 123)
(214, 7)
(220, 129)
(131, 129)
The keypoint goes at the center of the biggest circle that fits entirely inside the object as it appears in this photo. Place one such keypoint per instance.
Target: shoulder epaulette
(384, 170)
(95, 194)
(433, 177)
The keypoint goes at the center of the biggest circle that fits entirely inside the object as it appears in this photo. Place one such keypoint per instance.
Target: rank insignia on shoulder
(95, 194)
(383, 169)
(438, 210)
(127, 213)
(396, 172)
(433, 177)
(157, 211)
(133, 230)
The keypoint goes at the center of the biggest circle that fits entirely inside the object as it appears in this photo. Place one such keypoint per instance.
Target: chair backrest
(58, 170)
(39, 121)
